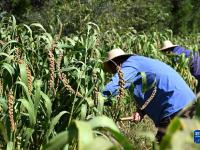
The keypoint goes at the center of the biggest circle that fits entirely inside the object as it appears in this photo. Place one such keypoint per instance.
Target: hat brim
(106, 66)
(165, 48)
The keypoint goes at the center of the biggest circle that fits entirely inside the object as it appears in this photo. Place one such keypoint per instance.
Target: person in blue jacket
(193, 56)
(166, 93)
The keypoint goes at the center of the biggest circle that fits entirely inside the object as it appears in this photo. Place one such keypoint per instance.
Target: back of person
(172, 93)
(194, 59)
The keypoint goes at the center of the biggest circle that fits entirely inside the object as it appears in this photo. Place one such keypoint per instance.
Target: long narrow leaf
(58, 142)
(23, 73)
(8, 68)
(85, 134)
(38, 25)
(37, 95)
(47, 103)
(27, 136)
(10, 146)
(30, 108)
(54, 122)
(25, 88)
(103, 122)
(100, 143)
(3, 132)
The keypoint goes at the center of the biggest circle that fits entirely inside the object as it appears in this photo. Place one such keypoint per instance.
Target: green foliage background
(141, 15)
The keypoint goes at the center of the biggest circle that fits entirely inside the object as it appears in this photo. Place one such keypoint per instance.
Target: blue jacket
(172, 94)
(194, 59)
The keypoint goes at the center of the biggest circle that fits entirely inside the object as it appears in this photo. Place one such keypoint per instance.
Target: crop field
(51, 90)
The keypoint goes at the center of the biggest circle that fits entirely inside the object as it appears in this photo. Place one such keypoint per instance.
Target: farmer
(166, 93)
(193, 56)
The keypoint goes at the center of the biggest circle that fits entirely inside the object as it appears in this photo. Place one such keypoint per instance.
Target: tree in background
(182, 16)
(141, 15)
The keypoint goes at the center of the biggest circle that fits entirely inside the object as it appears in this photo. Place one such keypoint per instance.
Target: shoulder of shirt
(131, 61)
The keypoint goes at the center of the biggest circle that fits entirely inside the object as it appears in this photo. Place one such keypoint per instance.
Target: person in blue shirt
(193, 56)
(166, 92)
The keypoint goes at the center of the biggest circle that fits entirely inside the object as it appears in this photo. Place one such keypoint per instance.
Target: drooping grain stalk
(68, 87)
(29, 76)
(18, 55)
(121, 94)
(96, 90)
(58, 64)
(63, 77)
(28, 71)
(10, 109)
(51, 66)
(121, 84)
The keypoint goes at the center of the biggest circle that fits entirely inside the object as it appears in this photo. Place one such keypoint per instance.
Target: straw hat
(167, 44)
(112, 54)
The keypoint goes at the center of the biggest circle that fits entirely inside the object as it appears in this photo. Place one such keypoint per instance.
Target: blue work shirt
(194, 59)
(172, 94)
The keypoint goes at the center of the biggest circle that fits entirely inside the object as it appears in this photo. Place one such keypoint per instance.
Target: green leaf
(25, 88)
(54, 122)
(29, 29)
(13, 23)
(58, 142)
(30, 108)
(90, 101)
(10, 146)
(38, 25)
(103, 122)
(180, 143)
(4, 54)
(189, 124)
(37, 96)
(23, 73)
(3, 103)
(121, 139)
(174, 126)
(9, 68)
(47, 103)
(99, 143)
(7, 44)
(3, 131)
(145, 86)
(27, 136)
(83, 111)
(101, 101)
(85, 133)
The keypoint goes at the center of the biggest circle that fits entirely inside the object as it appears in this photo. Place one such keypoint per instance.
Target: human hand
(136, 117)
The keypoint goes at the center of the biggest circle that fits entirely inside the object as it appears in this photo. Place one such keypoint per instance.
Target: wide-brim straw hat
(167, 44)
(113, 54)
